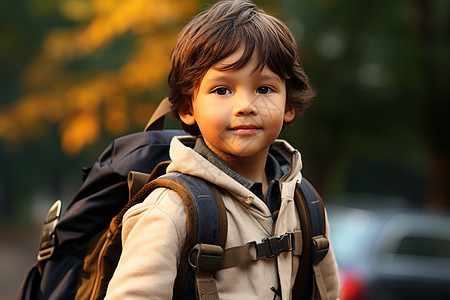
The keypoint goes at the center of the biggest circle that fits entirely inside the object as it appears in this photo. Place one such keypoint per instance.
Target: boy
(235, 80)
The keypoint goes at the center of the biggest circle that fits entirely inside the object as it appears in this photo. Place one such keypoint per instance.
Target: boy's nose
(246, 105)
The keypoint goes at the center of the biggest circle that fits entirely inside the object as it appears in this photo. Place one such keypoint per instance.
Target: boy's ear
(186, 115)
(289, 112)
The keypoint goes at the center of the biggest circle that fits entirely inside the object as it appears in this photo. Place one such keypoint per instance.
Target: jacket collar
(187, 160)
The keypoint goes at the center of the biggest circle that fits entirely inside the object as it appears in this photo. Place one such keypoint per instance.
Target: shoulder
(161, 206)
(161, 198)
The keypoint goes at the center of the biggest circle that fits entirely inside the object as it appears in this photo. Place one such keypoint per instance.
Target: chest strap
(213, 257)
(205, 259)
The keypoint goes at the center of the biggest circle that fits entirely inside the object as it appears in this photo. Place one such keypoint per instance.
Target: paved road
(17, 253)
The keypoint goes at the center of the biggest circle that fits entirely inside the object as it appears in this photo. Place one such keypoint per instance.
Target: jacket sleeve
(329, 269)
(152, 239)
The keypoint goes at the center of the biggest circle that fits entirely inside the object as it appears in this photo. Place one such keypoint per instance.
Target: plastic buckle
(47, 240)
(320, 246)
(209, 257)
(271, 247)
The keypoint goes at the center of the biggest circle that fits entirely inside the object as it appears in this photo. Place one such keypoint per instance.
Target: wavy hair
(218, 32)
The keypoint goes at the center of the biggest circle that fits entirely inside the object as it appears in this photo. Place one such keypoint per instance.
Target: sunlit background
(74, 74)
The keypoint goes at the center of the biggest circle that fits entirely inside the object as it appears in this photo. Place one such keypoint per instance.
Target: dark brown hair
(218, 32)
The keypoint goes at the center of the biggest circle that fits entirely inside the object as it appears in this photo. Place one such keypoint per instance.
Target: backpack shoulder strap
(309, 281)
(207, 224)
(206, 220)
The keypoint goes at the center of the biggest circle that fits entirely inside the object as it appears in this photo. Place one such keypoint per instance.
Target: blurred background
(74, 74)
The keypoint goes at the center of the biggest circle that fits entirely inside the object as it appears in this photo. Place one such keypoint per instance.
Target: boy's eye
(264, 90)
(222, 91)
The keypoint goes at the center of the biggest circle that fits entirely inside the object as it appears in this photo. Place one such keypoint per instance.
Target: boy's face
(239, 112)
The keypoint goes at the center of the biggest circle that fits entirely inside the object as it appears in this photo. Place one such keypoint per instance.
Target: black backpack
(73, 263)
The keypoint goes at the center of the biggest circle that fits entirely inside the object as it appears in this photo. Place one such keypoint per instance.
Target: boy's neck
(242, 169)
(251, 168)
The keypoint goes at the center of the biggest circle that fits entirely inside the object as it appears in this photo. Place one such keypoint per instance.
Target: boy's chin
(247, 152)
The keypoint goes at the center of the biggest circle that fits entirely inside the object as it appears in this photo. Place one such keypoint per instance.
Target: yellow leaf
(78, 132)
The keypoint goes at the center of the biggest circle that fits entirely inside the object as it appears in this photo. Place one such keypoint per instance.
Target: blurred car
(386, 255)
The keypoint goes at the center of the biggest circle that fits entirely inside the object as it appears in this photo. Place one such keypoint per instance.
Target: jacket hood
(188, 161)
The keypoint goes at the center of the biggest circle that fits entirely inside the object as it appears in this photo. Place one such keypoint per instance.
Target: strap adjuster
(272, 246)
(47, 240)
(320, 246)
(209, 257)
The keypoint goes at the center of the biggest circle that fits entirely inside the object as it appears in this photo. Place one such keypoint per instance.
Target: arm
(329, 269)
(153, 236)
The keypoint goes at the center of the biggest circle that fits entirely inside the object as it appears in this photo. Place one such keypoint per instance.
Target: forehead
(230, 60)
(255, 60)
(241, 59)
(250, 71)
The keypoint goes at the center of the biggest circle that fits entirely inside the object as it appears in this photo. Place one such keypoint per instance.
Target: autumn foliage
(83, 102)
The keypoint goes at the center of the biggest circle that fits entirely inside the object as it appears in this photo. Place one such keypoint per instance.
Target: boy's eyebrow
(271, 77)
(216, 80)
(225, 77)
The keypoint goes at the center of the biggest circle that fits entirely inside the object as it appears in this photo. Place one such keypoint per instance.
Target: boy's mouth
(245, 129)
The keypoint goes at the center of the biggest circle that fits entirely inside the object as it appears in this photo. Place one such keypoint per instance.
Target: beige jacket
(154, 232)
